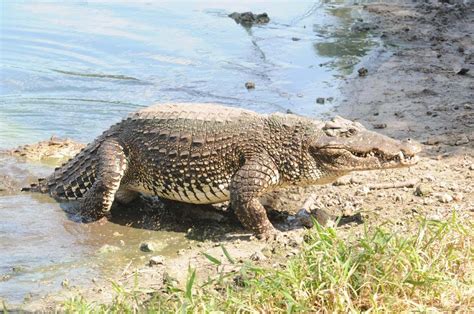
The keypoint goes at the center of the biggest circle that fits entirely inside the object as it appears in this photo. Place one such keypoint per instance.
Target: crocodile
(208, 153)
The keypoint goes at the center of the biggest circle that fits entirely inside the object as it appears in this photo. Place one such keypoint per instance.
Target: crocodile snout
(410, 147)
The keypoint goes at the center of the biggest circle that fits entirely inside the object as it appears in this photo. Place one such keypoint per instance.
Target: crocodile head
(347, 146)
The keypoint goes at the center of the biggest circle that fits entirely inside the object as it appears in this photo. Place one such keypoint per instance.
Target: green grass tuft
(431, 269)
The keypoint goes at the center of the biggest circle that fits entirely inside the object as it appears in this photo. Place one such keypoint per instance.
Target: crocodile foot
(270, 234)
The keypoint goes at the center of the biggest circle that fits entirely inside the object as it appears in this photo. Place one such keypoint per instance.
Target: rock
(322, 217)
(355, 180)
(461, 70)
(295, 38)
(248, 18)
(429, 178)
(458, 197)
(156, 260)
(320, 100)
(423, 190)
(258, 256)
(379, 125)
(471, 167)
(345, 180)
(65, 283)
(267, 251)
(445, 198)
(362, 27)
(462, 140)
(363, 72)
(434, 140)
(106, 248)
(250, 85)
(363, 191)
(150, 246)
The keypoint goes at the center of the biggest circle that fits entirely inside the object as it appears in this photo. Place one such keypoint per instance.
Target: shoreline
(394, 98)
(420, 89)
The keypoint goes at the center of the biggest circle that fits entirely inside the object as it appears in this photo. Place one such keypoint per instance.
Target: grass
(430, 269)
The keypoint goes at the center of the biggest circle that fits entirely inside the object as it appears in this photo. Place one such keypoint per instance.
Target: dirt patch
(416, 88)
(419, 89)
(420, 75)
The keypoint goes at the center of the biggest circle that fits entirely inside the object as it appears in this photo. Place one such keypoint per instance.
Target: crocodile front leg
(112, 164)
(253, 179)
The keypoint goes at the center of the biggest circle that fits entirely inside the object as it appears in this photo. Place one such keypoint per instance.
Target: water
(72, 68)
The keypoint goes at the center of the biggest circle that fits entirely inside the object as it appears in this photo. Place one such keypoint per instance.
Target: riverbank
(406, 248)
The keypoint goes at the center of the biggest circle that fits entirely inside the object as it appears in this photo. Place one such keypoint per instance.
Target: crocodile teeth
(401, 156)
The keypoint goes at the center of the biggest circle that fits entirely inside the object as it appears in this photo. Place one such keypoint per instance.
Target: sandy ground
(419, 86)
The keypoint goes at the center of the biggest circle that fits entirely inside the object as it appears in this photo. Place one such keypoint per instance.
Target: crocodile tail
(72, 179)
(75, 177)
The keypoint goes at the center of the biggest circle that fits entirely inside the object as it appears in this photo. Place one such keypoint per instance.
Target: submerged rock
(249, 85)
(248, 18)
(151, 246)
(362, 27)
(363, 72)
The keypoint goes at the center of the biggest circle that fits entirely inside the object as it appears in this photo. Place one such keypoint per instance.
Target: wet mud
(413, 86)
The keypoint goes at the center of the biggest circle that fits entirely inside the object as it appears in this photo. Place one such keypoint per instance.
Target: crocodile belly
(187, 193)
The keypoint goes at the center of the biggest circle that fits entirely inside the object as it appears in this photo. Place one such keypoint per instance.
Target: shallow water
(72, 69)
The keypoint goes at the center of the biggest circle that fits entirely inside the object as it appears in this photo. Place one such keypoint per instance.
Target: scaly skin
(205, 154)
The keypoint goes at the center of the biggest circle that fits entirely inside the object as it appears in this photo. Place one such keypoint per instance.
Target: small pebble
(463, 140)
(458, 197)
(250, 85)
(148, 246)
(363, 191)
(156, 260)
(445, 198)
(345, 180)
(380, 126)
(258, 256)
(363, 72)
(320, 100)
(423, 190)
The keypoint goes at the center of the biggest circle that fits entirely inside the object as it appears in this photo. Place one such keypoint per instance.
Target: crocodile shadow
(216, 223)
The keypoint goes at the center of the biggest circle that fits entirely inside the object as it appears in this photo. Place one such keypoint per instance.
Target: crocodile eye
(351, 132)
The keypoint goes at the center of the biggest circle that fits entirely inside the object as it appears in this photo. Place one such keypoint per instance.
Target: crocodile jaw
(348, 146)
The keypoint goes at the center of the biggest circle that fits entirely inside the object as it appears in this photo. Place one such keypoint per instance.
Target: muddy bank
(407, 91)
(421, 84)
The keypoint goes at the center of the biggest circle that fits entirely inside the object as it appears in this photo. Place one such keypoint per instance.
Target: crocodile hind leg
(125, 196)
(111, 167)
(253, 179)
